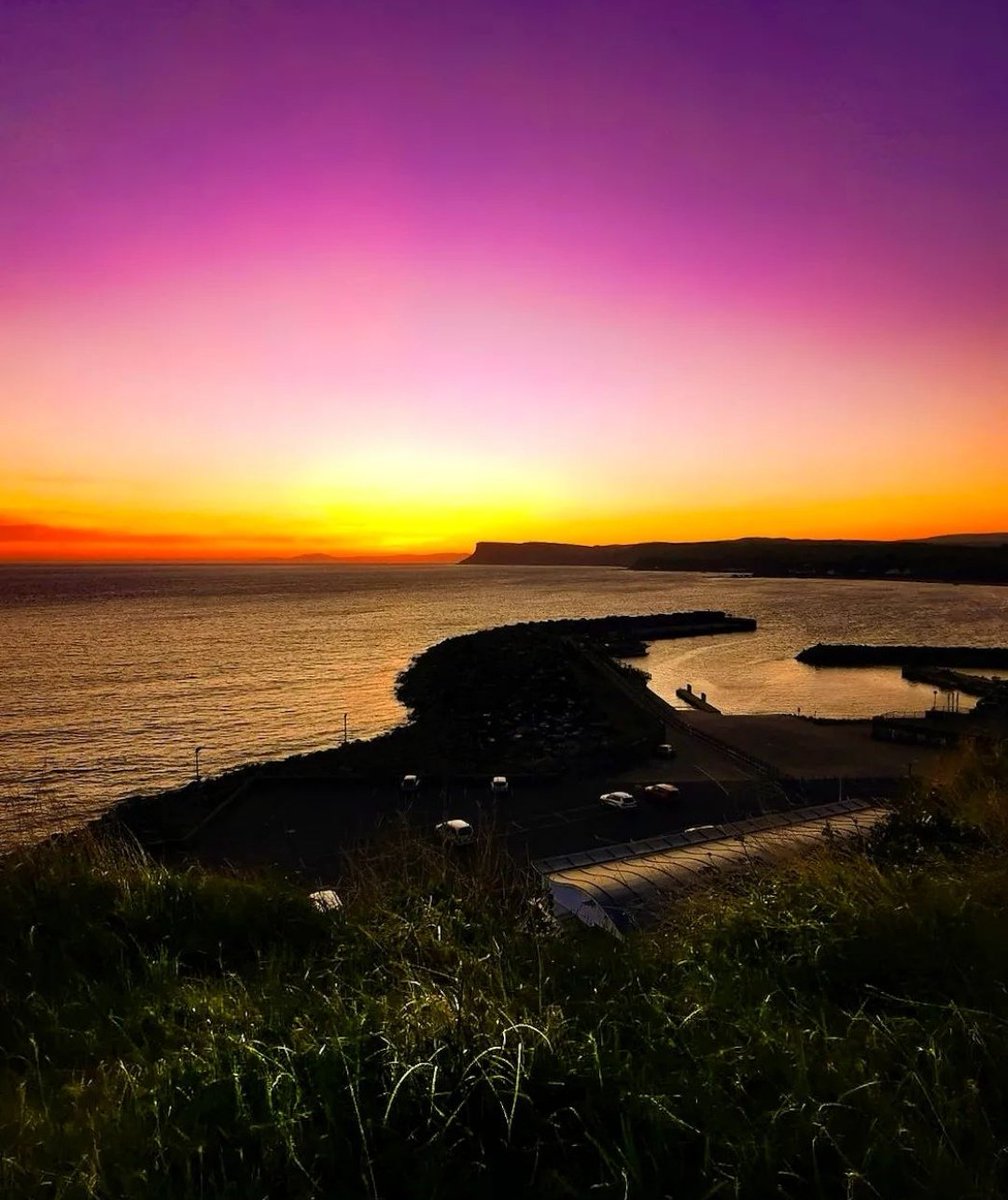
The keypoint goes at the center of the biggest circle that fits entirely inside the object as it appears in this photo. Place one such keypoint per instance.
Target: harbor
(566, 723)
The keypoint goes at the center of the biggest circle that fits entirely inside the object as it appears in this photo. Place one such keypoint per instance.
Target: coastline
(555, 713)
(537, 699)
(258, 693)
(963, 559)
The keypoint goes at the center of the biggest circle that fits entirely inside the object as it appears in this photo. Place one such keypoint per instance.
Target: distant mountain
(970, 539)
(565, 554)
(560, 554)
(939, 559)
(378, 559)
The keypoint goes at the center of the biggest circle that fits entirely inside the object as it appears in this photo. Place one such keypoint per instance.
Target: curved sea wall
(537, 699)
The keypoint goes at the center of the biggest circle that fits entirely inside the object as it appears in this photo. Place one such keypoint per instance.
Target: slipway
(630, 881)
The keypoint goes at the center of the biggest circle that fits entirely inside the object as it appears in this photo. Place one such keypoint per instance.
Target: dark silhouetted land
(535, 700)
(547, 704)
(451, 556)
(842, 654)
(958, 558)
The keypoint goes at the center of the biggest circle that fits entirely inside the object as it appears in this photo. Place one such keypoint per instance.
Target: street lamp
(198, 749)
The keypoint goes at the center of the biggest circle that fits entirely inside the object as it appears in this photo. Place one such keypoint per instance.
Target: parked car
(410, 783)
(621, 800)
(661, 791)
(499, 785)
(455, 832)
(326, 900)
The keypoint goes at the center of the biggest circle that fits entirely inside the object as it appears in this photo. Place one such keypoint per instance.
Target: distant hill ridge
(970, 539)
(378, 559)
(548, 554)
(624, 554)
(975, 558)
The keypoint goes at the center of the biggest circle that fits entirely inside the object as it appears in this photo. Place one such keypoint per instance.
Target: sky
(388, 278)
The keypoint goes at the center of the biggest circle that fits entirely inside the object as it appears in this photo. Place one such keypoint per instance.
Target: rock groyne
(849, 655)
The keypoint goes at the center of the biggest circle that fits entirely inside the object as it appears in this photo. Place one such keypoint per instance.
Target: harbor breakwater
(848, 655)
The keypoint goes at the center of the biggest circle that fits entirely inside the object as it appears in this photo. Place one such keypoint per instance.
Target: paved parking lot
(308, 824)
(814, 750)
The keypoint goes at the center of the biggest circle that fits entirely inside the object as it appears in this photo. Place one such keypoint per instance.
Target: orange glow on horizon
(447, 536)
(271, 289)
(680, 460)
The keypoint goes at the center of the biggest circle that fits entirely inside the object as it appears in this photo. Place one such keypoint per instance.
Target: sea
(112, 676)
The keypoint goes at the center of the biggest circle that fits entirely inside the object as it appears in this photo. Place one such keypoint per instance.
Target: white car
(410, 783)
(326, 900)
(455, 832)
(661, 791)
(621, 800)
(499, 785)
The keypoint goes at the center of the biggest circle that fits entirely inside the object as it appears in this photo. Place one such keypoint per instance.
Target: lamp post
(198, 749)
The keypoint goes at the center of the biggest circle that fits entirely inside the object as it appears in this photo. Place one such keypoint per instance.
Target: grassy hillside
(838, 1030)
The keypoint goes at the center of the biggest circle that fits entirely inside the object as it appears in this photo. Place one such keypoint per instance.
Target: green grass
(840, 1029)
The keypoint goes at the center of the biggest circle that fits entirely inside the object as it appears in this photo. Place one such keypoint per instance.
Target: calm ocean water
(110, 677)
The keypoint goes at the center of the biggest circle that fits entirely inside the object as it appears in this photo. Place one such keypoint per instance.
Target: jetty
(843, 654)
(699, 702)
(947, 680)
